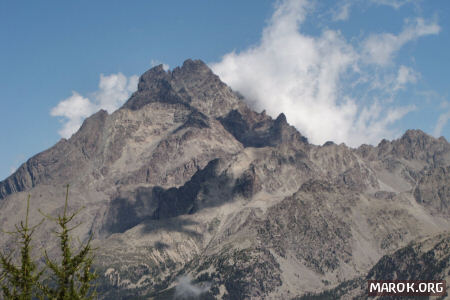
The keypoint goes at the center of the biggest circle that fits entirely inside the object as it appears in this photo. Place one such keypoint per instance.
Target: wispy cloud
(440, 124)
(381, 48)
(319, 82)
(405, 76)
(112, 92)
(342, 13)
(393, 3)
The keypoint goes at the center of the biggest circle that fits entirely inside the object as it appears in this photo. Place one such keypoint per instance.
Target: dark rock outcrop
(259, 130)
(433, 190)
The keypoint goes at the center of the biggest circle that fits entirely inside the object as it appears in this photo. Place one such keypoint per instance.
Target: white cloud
(154, 63)
(393, 3)
(73, 110)
(441, 122)
(315, 80)
(113, 90)
(343, 12)
(381, 48)
(405, 76)
(185, 289)
(430, 96)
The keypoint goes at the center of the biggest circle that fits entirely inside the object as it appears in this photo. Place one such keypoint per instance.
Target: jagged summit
(190, 96)
(191, 70)
(192, 84)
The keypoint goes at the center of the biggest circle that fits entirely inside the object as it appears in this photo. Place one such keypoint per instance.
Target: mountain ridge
(186, 179)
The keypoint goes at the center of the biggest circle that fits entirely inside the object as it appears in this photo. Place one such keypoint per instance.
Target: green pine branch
(20, 281)
(69, 278)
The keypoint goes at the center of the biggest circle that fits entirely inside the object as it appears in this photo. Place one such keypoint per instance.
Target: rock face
(433, 190)
(186, 180)
(427, 259)
(194, 84)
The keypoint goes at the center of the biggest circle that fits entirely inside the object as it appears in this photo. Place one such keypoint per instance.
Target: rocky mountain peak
(415, 136)
(192, 84)
(281, 119)
(193, 67)
(413, 144)
(152, 78)
(190, 69)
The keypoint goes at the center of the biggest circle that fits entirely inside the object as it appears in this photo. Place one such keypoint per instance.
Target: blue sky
(352, 71)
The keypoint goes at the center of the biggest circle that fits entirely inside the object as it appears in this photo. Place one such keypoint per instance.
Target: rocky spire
(193, 84)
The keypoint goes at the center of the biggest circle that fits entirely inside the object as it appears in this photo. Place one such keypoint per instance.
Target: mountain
(186, 183)
(427, 259)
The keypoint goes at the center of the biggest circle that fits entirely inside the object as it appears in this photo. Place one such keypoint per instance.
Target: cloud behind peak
(113, 91)
(328, 87)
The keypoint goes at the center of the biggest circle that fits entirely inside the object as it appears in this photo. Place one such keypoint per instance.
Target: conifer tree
(72, 275)
(70, 278)
(20, 282)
